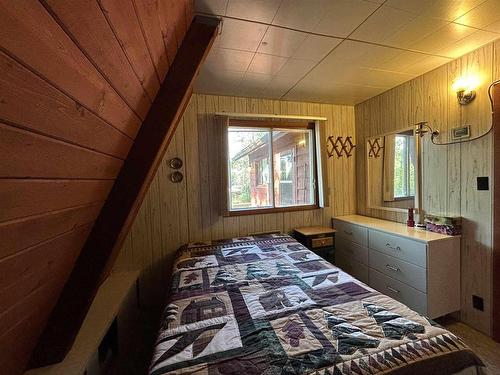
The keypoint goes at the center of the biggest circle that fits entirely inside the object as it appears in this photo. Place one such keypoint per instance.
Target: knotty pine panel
(449, 172)
(173, 214)
(53, 113)
(88, 26)
(56, 57)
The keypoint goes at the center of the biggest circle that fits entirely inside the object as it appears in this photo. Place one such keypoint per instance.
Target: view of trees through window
(404, 166)
(270, 167)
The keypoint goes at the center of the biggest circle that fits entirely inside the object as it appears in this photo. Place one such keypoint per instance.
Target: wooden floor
(487, 349)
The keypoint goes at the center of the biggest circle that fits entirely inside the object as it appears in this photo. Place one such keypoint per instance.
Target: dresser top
(392, 227)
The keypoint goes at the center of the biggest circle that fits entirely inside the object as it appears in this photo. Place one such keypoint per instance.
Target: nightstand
(320, 240)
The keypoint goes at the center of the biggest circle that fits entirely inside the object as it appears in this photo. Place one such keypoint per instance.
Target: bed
(268, 305)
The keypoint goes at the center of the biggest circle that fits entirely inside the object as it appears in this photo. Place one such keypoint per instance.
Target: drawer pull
(392, 268)
(392, 289)
(392, 247)
(347, 232)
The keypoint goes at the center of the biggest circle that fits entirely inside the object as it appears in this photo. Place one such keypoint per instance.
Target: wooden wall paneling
(123, 19)
(478, 63)
(23, 198)
(476, 233)
(203, 165)
(24, 325)
(56, 58)
(43, 227)
(147, 13)
(87, 25)
(192, 172)
(44, 157)
(109, 231)
(21, 89)
(214, 139)
(435, 158)
(167, 24)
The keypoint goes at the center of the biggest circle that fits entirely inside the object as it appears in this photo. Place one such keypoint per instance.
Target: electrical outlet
(483, 183)
(477, 303)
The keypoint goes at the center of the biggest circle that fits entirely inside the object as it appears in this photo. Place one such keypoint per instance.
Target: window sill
(261, 211)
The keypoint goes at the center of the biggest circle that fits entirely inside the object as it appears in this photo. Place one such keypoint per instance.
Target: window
(404, 166)
(271, 168)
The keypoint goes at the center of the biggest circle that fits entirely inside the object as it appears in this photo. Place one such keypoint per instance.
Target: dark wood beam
(124, 200)
(495, 319)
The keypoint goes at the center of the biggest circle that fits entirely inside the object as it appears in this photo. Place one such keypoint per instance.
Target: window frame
(270, 124)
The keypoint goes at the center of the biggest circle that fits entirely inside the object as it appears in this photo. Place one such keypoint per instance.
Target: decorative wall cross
(339, 146)
(375, 148)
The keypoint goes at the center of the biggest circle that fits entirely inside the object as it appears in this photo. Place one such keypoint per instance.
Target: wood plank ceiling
(77, 80)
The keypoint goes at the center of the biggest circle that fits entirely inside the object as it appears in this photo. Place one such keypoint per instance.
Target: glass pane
(249, 168)
(411, 168)
(293, 159)
(400, 167)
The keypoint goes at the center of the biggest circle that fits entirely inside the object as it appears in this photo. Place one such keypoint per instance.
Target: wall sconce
(464, 87)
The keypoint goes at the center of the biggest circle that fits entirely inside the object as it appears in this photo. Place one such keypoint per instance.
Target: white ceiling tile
(445, 9)
(300, 14)
(266, 64)
(415, 30)
(341, 17)
(218, 82)
(211, 6)
(255, 10)
(296, 68)
(254, 84)
(469, 43)
(281, 42)
(482, 16)
(382, 25)
(228, 59)
(240, 35)
(445, 36)
(315, 47)
(424, 65)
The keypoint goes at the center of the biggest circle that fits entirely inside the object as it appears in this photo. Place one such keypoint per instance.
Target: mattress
(268, 305)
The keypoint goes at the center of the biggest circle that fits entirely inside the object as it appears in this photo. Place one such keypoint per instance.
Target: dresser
(418, 268)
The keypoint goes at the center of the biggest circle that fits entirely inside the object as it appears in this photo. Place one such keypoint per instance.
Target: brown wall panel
(43, 227)
(53, 113)
(22, 198)
(44, 157)
(85, 22)
(44, 46)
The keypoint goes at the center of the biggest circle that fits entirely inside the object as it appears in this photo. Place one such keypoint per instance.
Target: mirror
(393, 171)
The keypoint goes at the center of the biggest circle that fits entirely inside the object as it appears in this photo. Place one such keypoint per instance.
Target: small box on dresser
(418, 268)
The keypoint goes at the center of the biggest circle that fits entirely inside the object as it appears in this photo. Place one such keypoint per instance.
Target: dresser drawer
(354, 250)
(356, 269)
(321, 242)
(411, 251)
(408, 273)
(352, 232)
(411, 297)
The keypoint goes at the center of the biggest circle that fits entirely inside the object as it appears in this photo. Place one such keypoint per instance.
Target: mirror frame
(418, 174)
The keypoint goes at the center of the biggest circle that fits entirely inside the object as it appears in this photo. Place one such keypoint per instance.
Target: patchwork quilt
(268, 305)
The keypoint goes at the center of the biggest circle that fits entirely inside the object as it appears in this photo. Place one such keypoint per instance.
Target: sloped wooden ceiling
(77, 80)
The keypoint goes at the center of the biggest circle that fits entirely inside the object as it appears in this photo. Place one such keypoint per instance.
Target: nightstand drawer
(352, 232)
(408, 273)
(411, 297)
(321, 242)
(408, 250)
(354, 250)
(356, 269)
